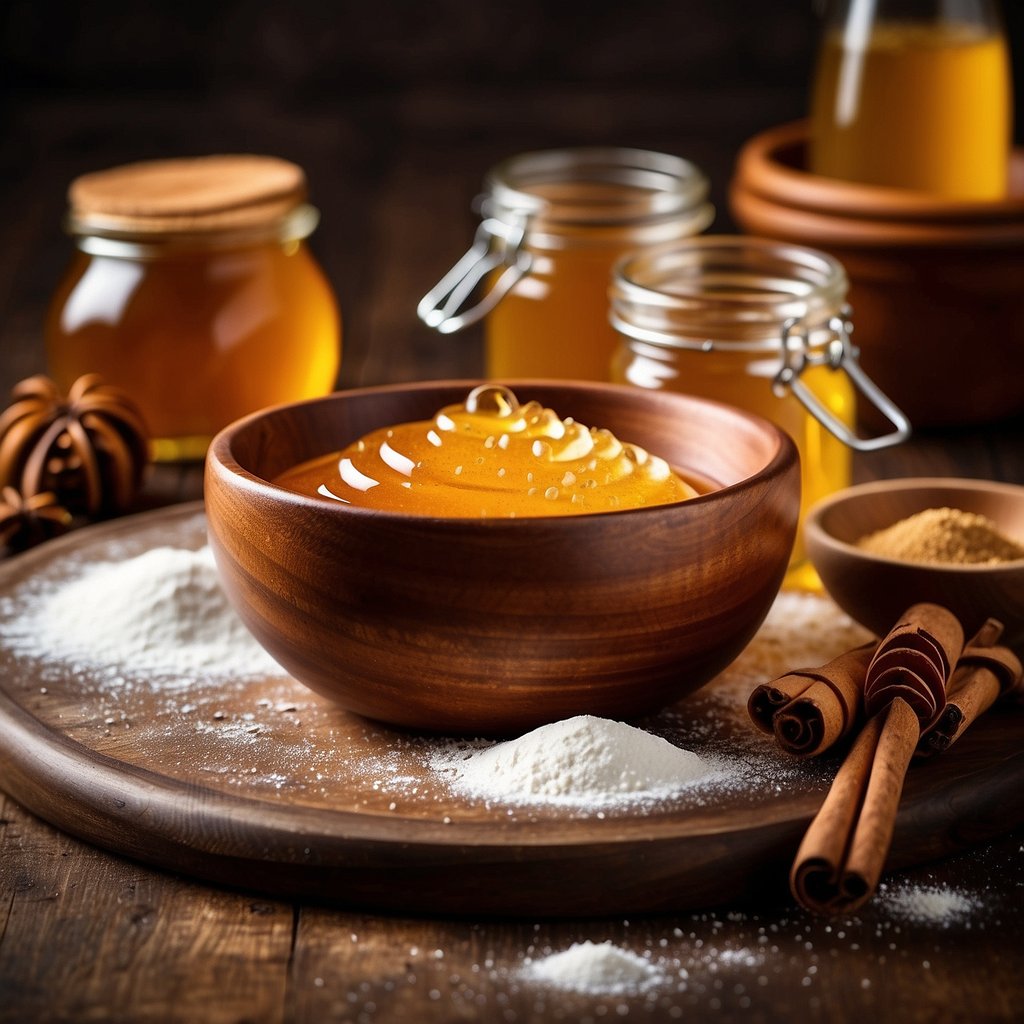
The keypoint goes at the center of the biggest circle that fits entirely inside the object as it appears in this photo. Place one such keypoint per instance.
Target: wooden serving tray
(263, 785)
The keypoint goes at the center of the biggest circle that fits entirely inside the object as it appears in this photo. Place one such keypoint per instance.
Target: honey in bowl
(491, 457)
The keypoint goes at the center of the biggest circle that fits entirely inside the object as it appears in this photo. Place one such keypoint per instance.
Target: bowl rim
(759, 168)
(221, 461)
(815, 532)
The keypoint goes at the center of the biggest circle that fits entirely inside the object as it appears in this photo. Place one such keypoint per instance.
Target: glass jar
(192, 288)
(761, 325)
(554, 223)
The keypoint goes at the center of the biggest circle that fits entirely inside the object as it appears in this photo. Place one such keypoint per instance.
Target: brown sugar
(944, 536)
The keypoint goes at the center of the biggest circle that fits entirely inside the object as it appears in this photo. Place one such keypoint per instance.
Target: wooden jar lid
(186, 196)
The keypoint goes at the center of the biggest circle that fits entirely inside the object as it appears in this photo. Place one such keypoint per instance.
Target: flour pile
(928, 904)
(162, 613)
(597, 967)
(579, 760)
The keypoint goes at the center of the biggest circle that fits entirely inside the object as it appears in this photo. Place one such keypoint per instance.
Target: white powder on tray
(594, 763)
(579, 760)
(595, 967)
(161, 620)
(161, 614)
(801, 630)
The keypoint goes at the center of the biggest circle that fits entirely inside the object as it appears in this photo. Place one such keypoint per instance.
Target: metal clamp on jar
(554, 223)
(761, 325)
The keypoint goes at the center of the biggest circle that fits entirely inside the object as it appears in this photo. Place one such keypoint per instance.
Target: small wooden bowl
(498, 625)
(876, 591)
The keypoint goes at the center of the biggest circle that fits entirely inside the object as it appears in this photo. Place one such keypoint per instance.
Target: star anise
(89, 448)
(27, 521)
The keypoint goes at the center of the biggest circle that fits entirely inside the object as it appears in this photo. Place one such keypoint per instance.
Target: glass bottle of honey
(914, 94)
(554, 223)
(192, 288)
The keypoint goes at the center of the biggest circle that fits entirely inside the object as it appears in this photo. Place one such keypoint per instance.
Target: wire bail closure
(495, 244)
(839, 353)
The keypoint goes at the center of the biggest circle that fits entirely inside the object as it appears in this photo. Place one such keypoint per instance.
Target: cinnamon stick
(840, 860)
(915, 661)
(984, 673)
(810, 709)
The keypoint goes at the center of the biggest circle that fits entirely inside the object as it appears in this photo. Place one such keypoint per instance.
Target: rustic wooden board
(261, 784)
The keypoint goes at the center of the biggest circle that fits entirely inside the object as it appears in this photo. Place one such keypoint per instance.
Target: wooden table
(88, 936)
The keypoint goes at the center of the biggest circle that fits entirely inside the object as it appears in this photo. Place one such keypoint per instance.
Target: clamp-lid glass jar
(553, 225)
(193, 289)
(758, 324)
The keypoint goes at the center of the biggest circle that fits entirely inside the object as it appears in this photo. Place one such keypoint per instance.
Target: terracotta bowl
(497, 625)
(935, 286)
(876, 591)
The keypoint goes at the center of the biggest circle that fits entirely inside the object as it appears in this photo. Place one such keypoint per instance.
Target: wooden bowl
(876, 591)
(935, 285)
(497, 625)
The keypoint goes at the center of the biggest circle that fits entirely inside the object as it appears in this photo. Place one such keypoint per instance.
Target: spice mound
(491, 457)
(944, 536)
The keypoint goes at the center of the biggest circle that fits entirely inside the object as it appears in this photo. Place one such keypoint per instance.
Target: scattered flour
(161, 614)
(597, 967)
(582, 759)
(928, 904)
(800, 630)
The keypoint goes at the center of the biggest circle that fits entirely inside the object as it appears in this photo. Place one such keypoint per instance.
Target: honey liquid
(491, 457)
(554, 323)
(735, 378)
(197, 337)
(921, 106)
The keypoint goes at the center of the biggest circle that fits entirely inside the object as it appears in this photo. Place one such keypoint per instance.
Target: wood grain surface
(258, 783)
(498, 625)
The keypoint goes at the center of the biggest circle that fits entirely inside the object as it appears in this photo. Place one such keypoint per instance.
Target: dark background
(395, 109)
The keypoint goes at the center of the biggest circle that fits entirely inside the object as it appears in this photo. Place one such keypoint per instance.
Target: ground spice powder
(945, 536)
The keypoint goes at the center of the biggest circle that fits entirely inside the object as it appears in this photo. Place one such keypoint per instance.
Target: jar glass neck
(724, 289)
(592, 187)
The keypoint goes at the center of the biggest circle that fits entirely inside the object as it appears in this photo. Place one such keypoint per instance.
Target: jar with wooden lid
(761, 325)
(192, 287)
(553, 223)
